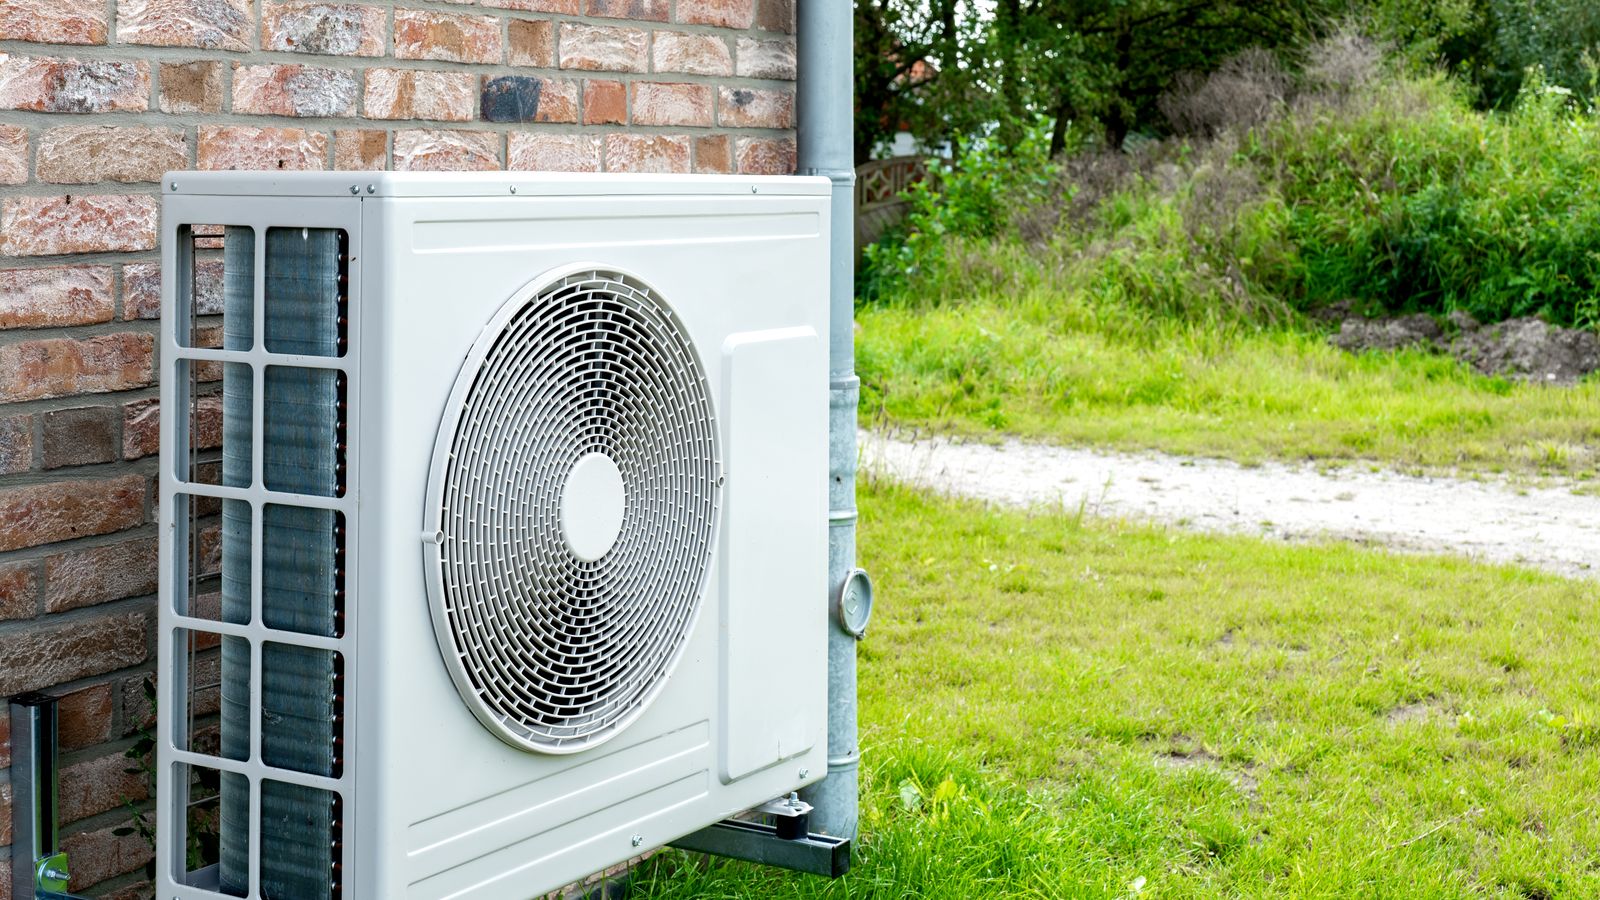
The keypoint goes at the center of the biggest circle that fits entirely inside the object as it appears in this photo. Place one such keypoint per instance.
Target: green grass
(1055, 708)
(1047, 366)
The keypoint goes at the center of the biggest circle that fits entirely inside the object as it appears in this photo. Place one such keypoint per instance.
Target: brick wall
(99, 97)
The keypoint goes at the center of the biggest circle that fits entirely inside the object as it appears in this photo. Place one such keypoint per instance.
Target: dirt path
(1549, 528)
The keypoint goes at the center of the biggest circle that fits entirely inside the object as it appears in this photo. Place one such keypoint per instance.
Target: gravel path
(1549, 528)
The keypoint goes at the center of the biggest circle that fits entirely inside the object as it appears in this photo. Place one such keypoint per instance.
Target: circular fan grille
(557, 650)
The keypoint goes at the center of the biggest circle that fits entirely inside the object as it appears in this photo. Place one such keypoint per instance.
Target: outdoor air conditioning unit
(493, 524)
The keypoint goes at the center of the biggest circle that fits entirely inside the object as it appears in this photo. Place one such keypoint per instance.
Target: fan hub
(593, 501)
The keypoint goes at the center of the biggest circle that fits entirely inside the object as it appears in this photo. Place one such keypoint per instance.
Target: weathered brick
(775, 15)
(756, 108)
(6, 834)
(16, 444)
(50, 226)
(81, 436)
(637, 10)
(49, 84)
(434, 150)
(647, 153)
(141, 291)
(13, 154)
(725, 13)
(96, 575)
(538, 152)
(603, 48)
(294, 90)
(671, 104)
(559, 7)
(246, 147)
(713, 153)
(53, 21)
(766, 156)
(5, 763)
(54, 296)
(447, 37)
(19, 590)
(44, 513)
(84, 717)
(98, 785)
(141, 428)
(103, 854)
(360, 149)
(691, 54)
(766, 59)
(191, 87)
(36, 370)
(605, 103)
(87, 154)
(532, 42)
(207, 24)
(417, 94)
(330, 29)
(527, 98)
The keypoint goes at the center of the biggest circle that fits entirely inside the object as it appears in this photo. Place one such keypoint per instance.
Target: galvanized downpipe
(826, 109)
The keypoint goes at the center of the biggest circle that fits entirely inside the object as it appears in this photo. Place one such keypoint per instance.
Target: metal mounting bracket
(815, 854)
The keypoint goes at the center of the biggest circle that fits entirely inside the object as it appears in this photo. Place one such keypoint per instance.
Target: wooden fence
(878, 187)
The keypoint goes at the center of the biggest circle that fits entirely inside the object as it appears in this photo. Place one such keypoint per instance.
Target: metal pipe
(826, 107)
(38, 867)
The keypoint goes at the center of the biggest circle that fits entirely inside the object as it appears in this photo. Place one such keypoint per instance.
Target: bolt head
(173, 185)
(513, 189)
(355, 188)
(372, 189)
(638, 839)
(805, 773)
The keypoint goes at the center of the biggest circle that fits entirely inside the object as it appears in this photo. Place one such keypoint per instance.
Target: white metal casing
(434, 805)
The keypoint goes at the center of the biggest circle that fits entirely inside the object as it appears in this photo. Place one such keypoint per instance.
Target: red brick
(330, 29)
(45, 513)
(51, 654)
(528, 98)
(766, 156)
(776, 15)
(637, 10)
(84, 717)
(5, 763)
(756, 108)
(766, 59)
(141, 428)
(13, 154)
(6, 834)
(101, 854)
(19, 592)
(16, 444)
(49, 84)
(141, 291)
(447, 37)
(540, 152)
(50, 226)
(603, 48)
(647, 153)
(605, 103)
(5, 879)
(142, 890)
(245, 147)
(726, 13)
(294, 90)
(191, 87)
(207, 24)
(532, 43)
(691, 54)
(87, 154)
(434, 150)
(417, 94)
(559, 7)
(98, 785)
(81, 436)
(55, 296)
(671, 104)
(87, 577)
(37, 370)
(713, 153)
(362, 149)
(53, 21)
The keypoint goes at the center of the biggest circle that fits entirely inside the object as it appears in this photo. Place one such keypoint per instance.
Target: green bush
(1391, 191)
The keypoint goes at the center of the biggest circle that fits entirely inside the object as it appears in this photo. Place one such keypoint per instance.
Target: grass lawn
(1047, 367)
(1054, 707)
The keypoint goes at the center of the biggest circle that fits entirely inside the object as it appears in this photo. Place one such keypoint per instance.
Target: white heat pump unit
(493, 524)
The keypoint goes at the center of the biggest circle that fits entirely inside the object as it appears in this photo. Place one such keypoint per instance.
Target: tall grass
(1348, 182)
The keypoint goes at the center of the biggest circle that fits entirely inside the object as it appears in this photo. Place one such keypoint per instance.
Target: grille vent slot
(552, 649)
